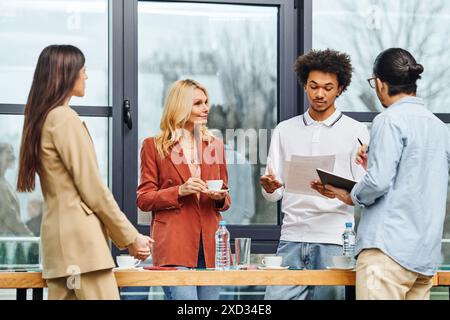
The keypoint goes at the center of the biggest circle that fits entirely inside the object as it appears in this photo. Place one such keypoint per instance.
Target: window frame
(265, 237)
(369, 116)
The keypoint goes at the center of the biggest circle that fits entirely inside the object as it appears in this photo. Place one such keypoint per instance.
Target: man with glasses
(403, 194)
(372, 82)
(312, 227)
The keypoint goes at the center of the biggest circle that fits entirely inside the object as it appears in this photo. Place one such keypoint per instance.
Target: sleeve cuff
(353, 195)
(130, 239)
(273, 197)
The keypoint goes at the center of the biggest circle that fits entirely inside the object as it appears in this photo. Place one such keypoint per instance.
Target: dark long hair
(57, 70)
(399, 69)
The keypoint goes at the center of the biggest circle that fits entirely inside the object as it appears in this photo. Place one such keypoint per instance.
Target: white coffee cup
(342, 261)
(214, 185)
(127, 261)
(272, 261)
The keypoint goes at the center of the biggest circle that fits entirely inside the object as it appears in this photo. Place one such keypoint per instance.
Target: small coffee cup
(127, 261)
(214, 185)
(272, 261)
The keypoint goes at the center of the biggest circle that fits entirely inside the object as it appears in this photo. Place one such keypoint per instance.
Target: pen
(367, 149)
(360, 142)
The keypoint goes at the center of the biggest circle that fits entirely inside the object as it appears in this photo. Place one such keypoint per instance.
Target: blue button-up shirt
(403, 194)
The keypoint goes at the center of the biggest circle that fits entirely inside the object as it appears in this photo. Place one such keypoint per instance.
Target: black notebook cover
(330, 178)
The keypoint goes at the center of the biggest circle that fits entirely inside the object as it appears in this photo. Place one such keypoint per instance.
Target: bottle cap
(222, 223)
(348, 224)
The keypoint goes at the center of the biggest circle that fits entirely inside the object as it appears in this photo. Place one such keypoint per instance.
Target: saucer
(208, 191)
(128, 268)
(341, 268)
(272, 268)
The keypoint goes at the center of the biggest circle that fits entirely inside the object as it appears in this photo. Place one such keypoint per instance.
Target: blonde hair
(177, 110)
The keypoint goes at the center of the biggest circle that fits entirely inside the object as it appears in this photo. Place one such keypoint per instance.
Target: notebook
(334, 180)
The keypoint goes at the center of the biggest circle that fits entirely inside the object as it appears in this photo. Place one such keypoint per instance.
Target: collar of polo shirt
(329, 122)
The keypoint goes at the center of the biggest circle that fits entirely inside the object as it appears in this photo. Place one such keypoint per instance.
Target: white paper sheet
(301, 170)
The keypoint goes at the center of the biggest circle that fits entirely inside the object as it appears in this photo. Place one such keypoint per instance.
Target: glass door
(27, 27)
(232, 51)
(242, 52)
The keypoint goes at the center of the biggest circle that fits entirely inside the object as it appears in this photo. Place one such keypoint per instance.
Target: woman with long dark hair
(80, 212)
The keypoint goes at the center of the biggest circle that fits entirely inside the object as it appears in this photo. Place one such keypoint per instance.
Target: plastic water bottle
(222, 247)
(349, 237)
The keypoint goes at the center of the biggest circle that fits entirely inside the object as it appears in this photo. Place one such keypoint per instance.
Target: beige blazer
(80, 211)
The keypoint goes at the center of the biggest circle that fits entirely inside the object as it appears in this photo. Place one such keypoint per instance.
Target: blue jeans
(193, 292)
(311, 256)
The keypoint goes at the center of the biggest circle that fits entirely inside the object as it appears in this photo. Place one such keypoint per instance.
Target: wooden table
(444, 279)
(33, 280)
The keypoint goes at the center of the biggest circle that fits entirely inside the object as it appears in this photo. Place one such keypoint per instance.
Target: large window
(26, 28)
(233, 51)
(363, 29)
(241, 50)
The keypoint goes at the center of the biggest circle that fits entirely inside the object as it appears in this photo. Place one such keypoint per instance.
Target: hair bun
(415, 69)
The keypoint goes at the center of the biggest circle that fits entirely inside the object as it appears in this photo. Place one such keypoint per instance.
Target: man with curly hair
(312, 227)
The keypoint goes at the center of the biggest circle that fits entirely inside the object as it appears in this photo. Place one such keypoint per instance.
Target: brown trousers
(378, 277)
(96, 285)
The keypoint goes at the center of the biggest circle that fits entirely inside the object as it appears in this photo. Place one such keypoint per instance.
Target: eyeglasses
(372, 82)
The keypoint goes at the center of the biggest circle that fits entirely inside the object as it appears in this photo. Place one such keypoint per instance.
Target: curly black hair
(329, 61)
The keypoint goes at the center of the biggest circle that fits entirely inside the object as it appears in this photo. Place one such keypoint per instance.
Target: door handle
(127, 114)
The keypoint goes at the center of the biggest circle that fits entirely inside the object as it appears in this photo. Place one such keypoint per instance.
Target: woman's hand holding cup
(218, 195)
(215, 191)
(192, 186)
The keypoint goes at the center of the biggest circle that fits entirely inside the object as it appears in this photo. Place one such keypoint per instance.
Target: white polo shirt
(310, 218)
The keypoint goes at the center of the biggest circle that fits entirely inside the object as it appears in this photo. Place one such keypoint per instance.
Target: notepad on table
(334, 180)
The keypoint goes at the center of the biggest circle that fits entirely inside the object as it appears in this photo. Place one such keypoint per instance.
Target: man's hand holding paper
(301, 170)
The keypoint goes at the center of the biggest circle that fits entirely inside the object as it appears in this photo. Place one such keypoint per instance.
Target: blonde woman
(175, 166)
